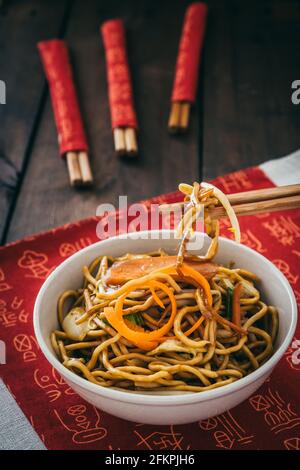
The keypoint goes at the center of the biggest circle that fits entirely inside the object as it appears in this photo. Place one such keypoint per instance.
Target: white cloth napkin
(16, 433)
(285, 170)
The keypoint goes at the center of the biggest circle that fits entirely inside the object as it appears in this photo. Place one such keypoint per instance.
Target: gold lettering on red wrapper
(22, 313)
(27, 346)
(57, 67)
(60, 381)
(54, 386)
(293, 354)
(284, 229)
(235, 182)
(4, 286)
(7, 318)
(160, 440)
(248, 238)
(83, 423)
(68, 249)
(278, 414)
(189, 54)
(285, 269)
(17, 302)
(118, 75)
(11, 314)
(35, 264)
(226, 431)
(43, 381)
(292, 443)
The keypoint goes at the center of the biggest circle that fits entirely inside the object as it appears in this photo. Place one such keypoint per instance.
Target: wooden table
(244, 113)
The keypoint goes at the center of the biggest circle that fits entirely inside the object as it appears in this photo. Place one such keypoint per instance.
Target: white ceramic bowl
(175, 408)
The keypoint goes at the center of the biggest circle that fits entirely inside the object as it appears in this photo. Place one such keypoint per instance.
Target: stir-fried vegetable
(229, 297)
(76, 332)
(136, 318)
(236, 307)
(195, 277)
(146, 339)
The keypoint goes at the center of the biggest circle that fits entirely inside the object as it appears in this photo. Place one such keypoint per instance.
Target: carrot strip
(224, 321)
(194, 327)
(236, 307)
(189, 274)
(156, 298)
(133, 326)
(144, 340)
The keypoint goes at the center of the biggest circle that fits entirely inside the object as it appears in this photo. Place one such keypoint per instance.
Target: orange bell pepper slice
(191, 274)
(144, 340)
(149, 340)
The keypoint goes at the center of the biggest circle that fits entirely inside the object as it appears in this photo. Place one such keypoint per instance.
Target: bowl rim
(186, 398)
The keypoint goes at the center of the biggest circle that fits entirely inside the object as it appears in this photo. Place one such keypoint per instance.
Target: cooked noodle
(172, 325)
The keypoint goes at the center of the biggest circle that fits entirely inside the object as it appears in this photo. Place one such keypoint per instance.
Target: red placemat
(270, 419)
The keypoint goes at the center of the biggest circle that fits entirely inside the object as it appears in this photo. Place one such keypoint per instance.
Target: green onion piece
(229, 299)
(135, 318)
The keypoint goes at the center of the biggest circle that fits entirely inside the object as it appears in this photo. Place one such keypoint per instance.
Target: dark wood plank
(153, 30)
(22, 24)
(252, 57)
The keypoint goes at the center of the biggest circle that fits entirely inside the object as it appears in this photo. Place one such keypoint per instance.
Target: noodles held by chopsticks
(154, 322)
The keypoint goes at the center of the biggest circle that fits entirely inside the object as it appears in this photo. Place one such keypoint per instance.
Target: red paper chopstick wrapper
(189, 54)
(57, 67)
(118, 75)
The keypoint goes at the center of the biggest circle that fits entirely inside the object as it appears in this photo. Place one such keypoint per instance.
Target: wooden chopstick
(253, 208)
(255, 202)
(131, 141)
(73, 168)
(119, 141)
(264, 194)
(174, 117)
(184, 116)
(125, 141)
(80, 173)
(85, 169)
(179, 116)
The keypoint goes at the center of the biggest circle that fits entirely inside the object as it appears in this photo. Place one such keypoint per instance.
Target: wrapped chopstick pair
(123, 116)
(71, 135)
(122, 111)
(187, 67)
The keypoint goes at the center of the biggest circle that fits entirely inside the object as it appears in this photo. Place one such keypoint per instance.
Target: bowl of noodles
(151, 337)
